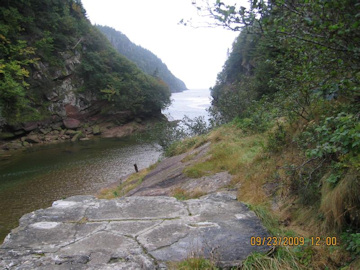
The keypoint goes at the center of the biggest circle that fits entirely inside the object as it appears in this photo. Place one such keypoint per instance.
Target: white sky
(194, 55)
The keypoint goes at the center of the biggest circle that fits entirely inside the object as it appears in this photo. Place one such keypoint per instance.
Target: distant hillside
(143, 58)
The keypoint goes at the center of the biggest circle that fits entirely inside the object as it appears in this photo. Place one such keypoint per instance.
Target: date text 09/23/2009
(293, 241)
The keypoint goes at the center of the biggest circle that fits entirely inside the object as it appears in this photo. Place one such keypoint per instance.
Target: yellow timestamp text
(323, 241)
(293, 241)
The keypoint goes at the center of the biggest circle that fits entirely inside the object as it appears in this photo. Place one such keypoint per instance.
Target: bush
(174, 137)
(277, 138)
(336, 135)
(352, 243)
(196, 126)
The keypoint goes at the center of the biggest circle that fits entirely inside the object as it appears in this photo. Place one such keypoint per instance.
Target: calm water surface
(34, 178)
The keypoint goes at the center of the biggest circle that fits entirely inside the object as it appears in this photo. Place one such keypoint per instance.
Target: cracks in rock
(150, 228)
(146, 252)
(104, 224)
(97, 230)
(143, 248)
(169, 245)
(134, 219)
(76, 259)
(137, 242)
(83, 220)
(86, 211)
(187, 208)
(134, 235)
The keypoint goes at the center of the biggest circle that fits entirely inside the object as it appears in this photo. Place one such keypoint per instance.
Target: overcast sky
(194, 55)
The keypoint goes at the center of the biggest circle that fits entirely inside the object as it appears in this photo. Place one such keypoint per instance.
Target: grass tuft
(182, 194)
(341, 204)
(195, 261)
(192, 264)
(185, 145)
(230, 151)
(264, 262)
(269, 221)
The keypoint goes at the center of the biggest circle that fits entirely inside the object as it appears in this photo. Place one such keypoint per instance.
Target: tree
(306, 50)
(38, 39)
(304, 59)
(16, 56)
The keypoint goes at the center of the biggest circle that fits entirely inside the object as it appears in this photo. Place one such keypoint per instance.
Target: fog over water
(192, 103)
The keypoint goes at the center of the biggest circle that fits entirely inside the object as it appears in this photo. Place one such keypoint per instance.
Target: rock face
(71, 123)
(83, 232)
(168, 176)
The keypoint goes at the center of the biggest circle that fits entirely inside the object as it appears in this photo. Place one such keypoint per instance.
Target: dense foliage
(297, 63)
(37, 39)
(143, 58)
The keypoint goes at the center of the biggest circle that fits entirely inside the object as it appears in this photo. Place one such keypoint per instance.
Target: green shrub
(277, 139)
(336, 135)
(352, 243)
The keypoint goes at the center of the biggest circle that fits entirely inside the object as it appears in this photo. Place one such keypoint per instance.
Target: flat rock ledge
(83, 232)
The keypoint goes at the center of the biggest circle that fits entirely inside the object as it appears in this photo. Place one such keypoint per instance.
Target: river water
(36, 177)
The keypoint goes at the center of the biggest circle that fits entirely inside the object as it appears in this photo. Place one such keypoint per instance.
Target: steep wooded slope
(143, 58)
(54, 65)
(293, 76)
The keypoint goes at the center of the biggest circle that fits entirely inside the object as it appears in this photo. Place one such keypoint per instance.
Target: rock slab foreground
(83, 232)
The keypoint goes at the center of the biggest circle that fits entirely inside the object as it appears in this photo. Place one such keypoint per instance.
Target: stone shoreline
(72, 130)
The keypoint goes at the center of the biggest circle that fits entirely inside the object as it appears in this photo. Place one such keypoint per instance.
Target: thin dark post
(136, 168)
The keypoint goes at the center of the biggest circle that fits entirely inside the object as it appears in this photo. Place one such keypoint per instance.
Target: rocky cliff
(59, 72)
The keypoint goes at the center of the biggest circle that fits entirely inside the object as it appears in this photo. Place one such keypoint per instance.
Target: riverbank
(147, 228)
(43, 173)
(48, 171)
(35, 134)
(228, 159)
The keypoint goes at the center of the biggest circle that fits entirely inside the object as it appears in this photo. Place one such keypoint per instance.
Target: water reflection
(35, 178)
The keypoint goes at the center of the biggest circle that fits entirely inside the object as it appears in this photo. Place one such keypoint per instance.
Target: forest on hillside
(294, 73)
(51, 55)
(143, 58)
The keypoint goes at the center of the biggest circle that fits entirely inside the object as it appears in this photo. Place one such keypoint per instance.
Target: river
(37, 176)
